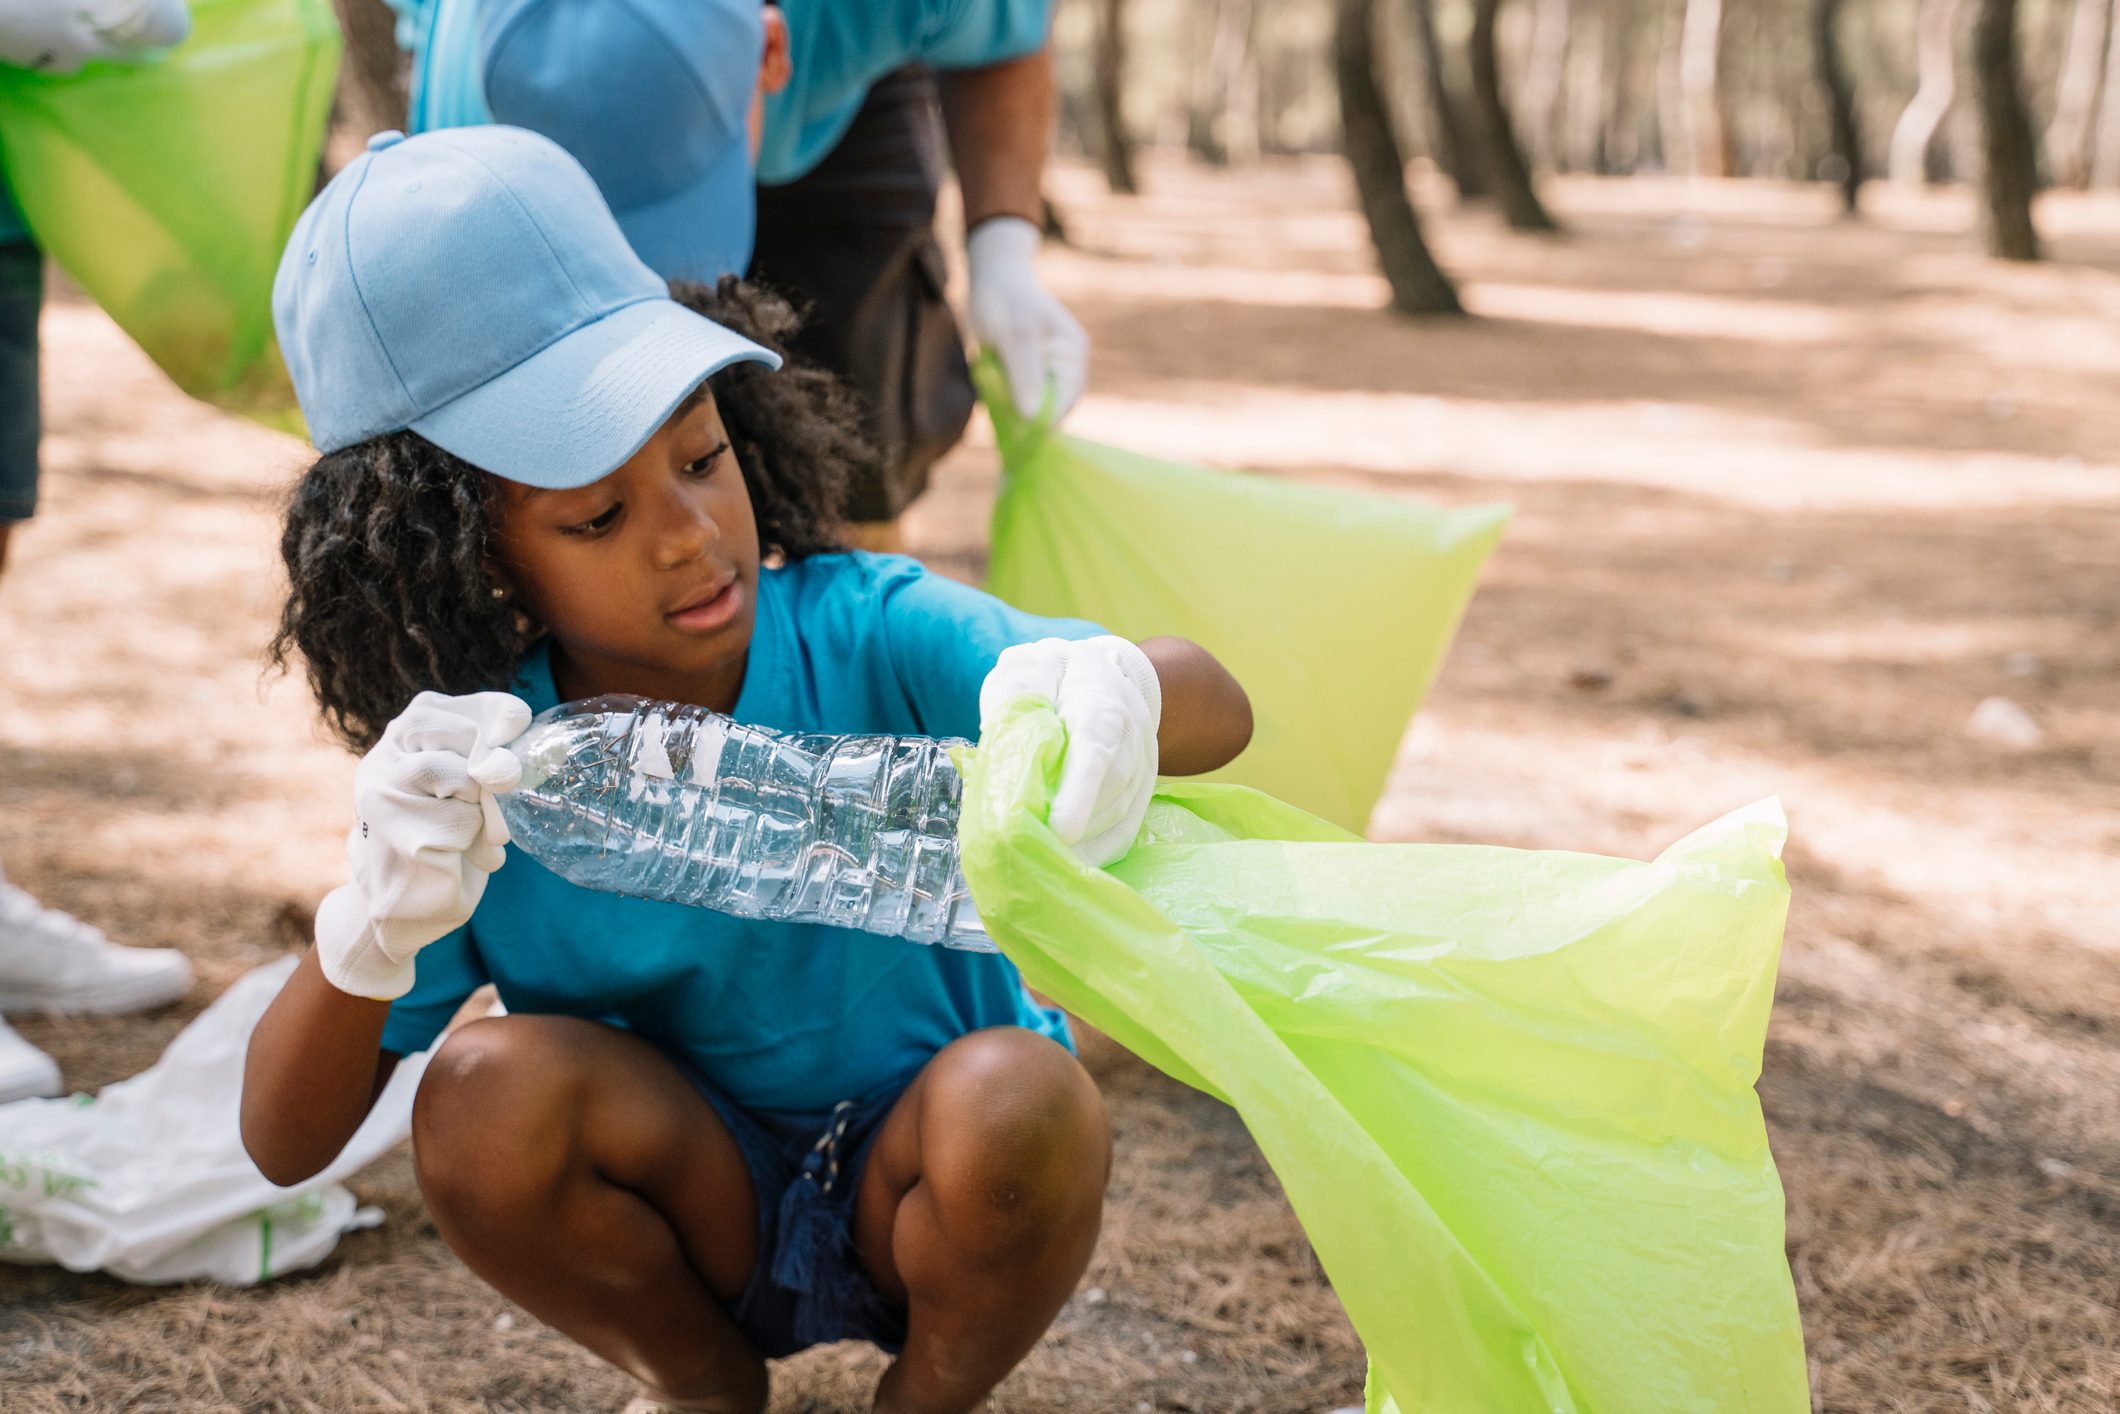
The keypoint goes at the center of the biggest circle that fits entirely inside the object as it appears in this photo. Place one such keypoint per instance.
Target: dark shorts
(853, 241)
(808, 1287)
(21, 426)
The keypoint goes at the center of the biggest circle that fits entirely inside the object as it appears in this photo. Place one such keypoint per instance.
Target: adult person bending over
(817, 126)
(48, 960)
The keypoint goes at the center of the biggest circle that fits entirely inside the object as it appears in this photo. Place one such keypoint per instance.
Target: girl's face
(647, 580)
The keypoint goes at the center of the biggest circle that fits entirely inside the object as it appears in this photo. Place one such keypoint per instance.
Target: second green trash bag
(167, 187)
(1333, 609)
(1508, 1092)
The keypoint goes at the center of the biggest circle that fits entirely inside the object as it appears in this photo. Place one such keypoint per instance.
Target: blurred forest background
(2005, 95)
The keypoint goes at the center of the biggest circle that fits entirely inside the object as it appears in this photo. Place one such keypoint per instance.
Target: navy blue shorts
(808, 1287)
(21, 300)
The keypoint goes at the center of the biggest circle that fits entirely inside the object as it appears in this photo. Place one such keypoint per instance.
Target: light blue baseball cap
(653, 98)
(470, 284)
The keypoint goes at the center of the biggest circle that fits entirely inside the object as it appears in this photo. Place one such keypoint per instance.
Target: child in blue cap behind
(694, 1143)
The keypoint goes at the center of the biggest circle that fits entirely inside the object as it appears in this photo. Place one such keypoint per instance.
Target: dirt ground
(1794, 496)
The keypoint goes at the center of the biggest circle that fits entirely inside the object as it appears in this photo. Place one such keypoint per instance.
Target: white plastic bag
(149, 1181)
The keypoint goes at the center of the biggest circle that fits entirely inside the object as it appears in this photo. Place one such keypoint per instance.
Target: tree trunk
(1242, 129)
(2009, 155)
(1669, 126)
(1220, 122)
(1621, 147)
(1115, 144)
(2068, 137)
(1505, 160)
(1201, 139)
(1450, 132)
(2105, 149)
(1935, 62)
(1707, 132)
(1844, 144)
(1583, 122)
(1418, 284)
(372, 91)
(1545, 77)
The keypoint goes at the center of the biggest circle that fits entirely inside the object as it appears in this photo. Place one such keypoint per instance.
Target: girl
(693, 1143)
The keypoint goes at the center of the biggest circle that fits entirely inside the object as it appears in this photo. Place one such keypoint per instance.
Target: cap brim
(705, 231)
(574, 411)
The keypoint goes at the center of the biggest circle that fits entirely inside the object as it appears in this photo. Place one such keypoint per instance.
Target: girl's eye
(597, 526)
(704, 466)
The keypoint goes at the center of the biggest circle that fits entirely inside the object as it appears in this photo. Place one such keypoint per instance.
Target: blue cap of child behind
(471, 285)
(654, 98)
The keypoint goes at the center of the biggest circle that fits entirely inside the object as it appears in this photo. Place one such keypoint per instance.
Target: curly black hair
(389, 544)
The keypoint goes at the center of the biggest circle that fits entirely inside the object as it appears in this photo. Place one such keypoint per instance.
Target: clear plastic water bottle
(678, 803)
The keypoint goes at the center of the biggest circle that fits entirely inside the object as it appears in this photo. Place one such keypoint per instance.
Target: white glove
(429, 833)
(59, 36)
(1111, 702)
(1013, 314)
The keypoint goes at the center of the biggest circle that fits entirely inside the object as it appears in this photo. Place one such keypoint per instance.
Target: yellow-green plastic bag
(1509, 1093)
(167, 187)
(1332, 608)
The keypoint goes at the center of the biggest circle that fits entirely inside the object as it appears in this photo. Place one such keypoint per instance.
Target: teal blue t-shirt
(781, 1017)
(840, 48)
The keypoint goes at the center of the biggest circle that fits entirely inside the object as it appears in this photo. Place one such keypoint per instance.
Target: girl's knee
(492, 1120)
(1015, 1143)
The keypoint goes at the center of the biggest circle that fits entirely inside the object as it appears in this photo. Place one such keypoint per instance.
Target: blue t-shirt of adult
(839, 48)
(781, 1017)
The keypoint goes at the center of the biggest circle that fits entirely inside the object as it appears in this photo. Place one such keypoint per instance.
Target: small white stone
(505, 1321)
(1094, 1296)
(2001, 722)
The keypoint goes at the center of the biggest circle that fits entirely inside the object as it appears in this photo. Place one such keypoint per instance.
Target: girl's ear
(775, 66)
(499, 582)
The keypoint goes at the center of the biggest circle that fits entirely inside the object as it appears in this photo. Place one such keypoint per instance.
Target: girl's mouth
(709, 609)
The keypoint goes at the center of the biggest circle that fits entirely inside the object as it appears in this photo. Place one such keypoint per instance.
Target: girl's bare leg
(573, 1167)
(979, 1209)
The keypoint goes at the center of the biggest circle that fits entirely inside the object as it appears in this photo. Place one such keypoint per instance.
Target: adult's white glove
(429, 832)
(59, 36)
(1111, 702)
(1013, 314)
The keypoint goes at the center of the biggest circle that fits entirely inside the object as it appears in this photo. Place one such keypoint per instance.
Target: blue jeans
(808, 1287)
(21, 426)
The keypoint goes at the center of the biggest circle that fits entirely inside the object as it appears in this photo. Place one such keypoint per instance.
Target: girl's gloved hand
(1111, 702)
(59, 36)
(429, 832)
(1013, 314)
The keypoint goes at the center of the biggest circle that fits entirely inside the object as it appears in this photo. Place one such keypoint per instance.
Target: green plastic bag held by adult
(1333, 608)
(1508, 1093)
(167, 187)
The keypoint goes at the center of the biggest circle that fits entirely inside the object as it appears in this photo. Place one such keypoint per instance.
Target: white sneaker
(26, 1073)
(50, 961)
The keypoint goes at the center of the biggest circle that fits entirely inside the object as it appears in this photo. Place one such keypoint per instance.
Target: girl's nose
(685, 533)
